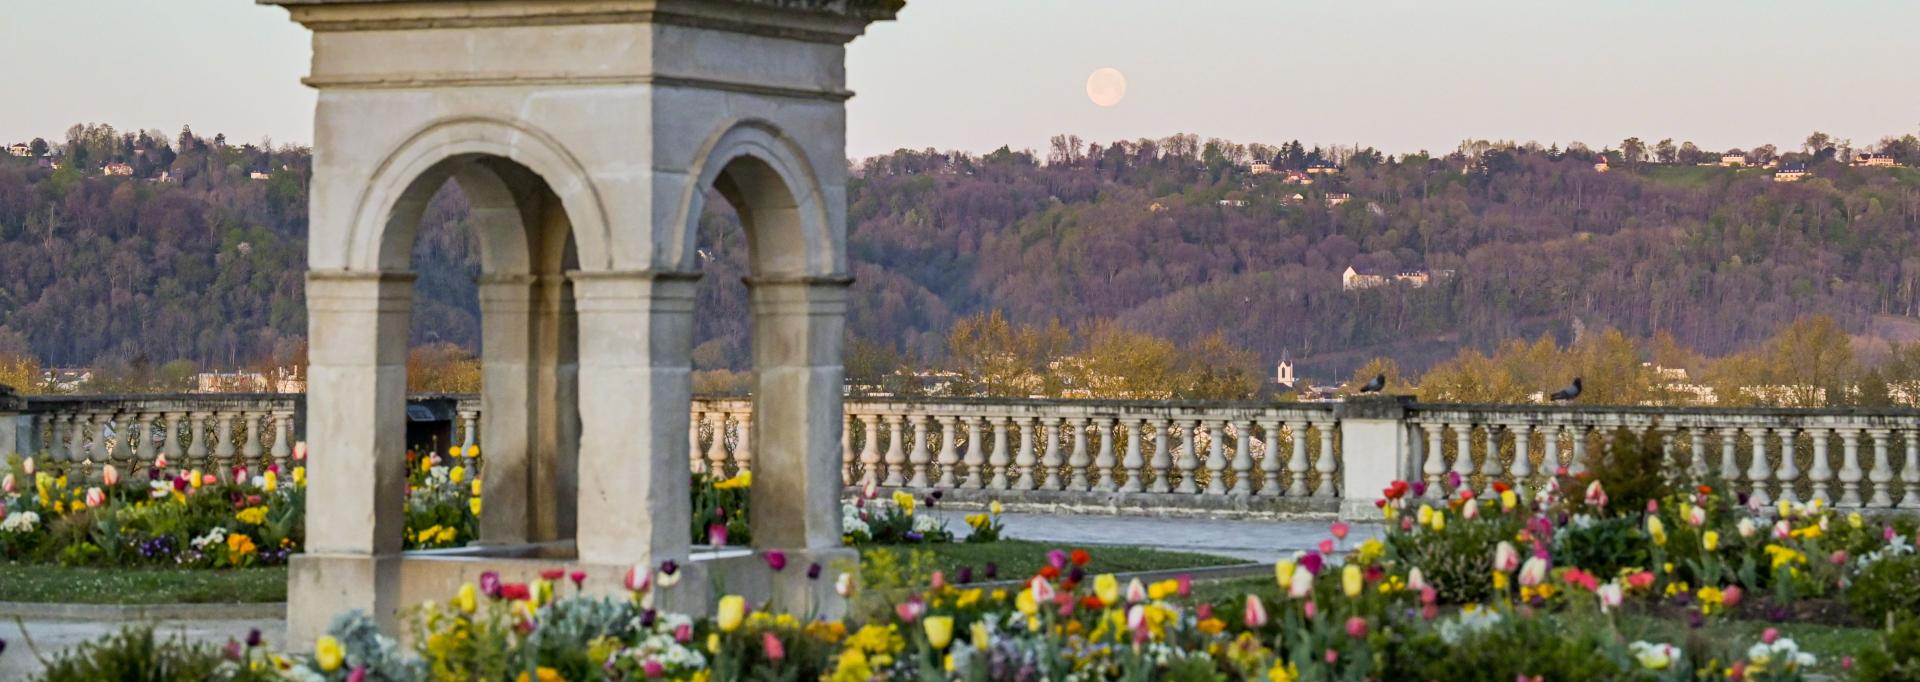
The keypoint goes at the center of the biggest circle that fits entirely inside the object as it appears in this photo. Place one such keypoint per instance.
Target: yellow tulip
(195, 478)
(453, 451)
(473, 451)
(981, 638)
(457, 474)
(299, 476)
(1424, 516)
(939, 630)
(1854, 520)
(474, 504)
(1657, 530)
(1439, 520)
(1283, 573)
(1024, 602)
(994, 507)
(1508, 500)
(476, 486)
(271, 481)
(1107, 588)
(1350, 580)
(465, 599)
(1710, 541)
(328, 654)
(732, 610)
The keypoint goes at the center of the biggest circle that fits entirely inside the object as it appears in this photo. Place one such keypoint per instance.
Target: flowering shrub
(892, 520)
(443, 498)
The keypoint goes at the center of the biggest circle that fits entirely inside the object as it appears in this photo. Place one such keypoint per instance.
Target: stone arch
(770, 181)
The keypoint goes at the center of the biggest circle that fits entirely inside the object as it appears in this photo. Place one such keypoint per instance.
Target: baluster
(1550, 455)
(1297, 459)
(1882, 474)
(1162, 462)
(1216, 458)
(1326, 464)
(919, 457)
(846, 447)
(1822, 472)
(1050, 462)
(742, 442)
(176, 430)
(1789, 472)
(253, 449)
(1758, 469)
(57, 449)
(121, 454)
(1135, 462)
(470, 433)
(1910, 470)
(1850, 468)
(1697, 452)
(1243, 458)
(142, 433)
(717, 448)
(1270, 459)
(1463, 456)
(1522, 459)
(896, 457)
(949, 455)
(870, 450)
(1729, 469)
(696, 455)
(282, 438)
(1077, 462)
(977, 458)
(95, 451)
(1025, 462)
(1579, 433)
(1490, 468)
(1186, 461)
(40, 439)
(1103, 462)
(999, 457)
(77, 449)
(1434, 466)
(223, 448)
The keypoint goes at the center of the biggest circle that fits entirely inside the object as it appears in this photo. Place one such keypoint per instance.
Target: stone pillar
(356, 417)
(16, 431)
(636, 389)
(507, 361)
(798, 329)
(1379, 450)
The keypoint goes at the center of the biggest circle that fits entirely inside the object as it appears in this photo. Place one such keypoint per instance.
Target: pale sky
(1401, 75)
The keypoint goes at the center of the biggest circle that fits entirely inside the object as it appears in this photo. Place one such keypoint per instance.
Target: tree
(1396, 382)
(38, 147)
(1633, 151)
(1664, 152)
(1816, 143)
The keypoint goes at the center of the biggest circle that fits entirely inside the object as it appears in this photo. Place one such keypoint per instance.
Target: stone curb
(142, 612)
(1197, 573)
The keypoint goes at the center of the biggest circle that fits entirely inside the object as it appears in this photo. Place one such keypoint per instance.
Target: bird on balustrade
(1567, 394)
(1378, 384)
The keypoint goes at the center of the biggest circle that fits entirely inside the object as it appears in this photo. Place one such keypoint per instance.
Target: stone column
(1850, 473)
(356, 417)
(1789, 472)
(636, 389)
(798, 329)
(506, 340)
(1374, 436)
(949, 457)
(1435, 467)
(1077, 462)
(16, 431)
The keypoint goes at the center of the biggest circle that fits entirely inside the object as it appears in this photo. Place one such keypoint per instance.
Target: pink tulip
(96, 497)
(1696, 516)
(1731, 596)
(1356, 627)
(772, 646)
(1429, 595)
(6, 484)
(1769, 634)
(1782, 530)
(1653, 506)
(110, 476)
(1042, 590)
(1839, 557)
(1255, 615)
(652, 668)
(910, 610)
(638, 579)
(1333, 656)
(209, 479)
(359, 674)
(1505, 558)
(683, 633)
(1203, 611)
(776, 559)
(160, 462)
(1429, 612)
(1183, 585)
(300, 451)
(1846, 662)
(1057, 559)
(1326, 547)
(1340, 529)
(717, 534)
(1310, 609)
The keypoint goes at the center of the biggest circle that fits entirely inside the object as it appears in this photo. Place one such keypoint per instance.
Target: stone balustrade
(1207, 458)
(215, 433)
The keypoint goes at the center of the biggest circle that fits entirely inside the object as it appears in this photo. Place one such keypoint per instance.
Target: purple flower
(813, 571)
(964, 575)
(1076, 575)
(914, 537)
(1695, 620)
(937, 494)
(253, 638)
(490, 584)
(1453, 479)
(1057, 559)
(1313, 563)
(991, 570)
(647, 618)
(1419, 488)
(668, 567)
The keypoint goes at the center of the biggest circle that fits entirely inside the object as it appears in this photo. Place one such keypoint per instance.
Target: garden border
(142, 612)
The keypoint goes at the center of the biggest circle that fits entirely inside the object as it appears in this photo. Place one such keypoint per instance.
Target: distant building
(65, 379)
(1354, 280)
(1322, 168)
(116, 169)
(1156, 207)
(1260, 168)
(257, 175)
(281, 380)
(1283, 374)
(1792, 172)
(1236, 203)
(1865, 161)
(19, 149)
(1601, 165)
(1733, 160)
(1295, 177)
(1338, 198)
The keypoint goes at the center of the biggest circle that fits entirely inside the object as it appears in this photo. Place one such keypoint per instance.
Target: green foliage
(1603, 546)
(1455, 562)
(136, 654)
(1897, 658)
(1633, 470)
(1890, 585)
(1515, 648)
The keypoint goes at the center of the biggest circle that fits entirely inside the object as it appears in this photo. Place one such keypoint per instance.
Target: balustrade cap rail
(1427, 412)
(169, 401)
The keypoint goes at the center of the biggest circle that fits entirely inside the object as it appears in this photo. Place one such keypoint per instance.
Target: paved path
(1263, 541)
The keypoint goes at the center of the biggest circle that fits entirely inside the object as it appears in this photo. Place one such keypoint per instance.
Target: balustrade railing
(1839, 457)
(216, 433)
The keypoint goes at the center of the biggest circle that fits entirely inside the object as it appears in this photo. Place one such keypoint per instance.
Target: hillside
(1176, 238)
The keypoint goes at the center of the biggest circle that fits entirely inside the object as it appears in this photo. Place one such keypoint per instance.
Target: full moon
(1106, 87)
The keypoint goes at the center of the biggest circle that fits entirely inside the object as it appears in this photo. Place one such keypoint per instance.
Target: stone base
(322, 586)
(1161, 505)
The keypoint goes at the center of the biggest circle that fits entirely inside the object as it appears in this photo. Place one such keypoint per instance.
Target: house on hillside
(1295, 177)
(257, 175)
(1731, 160)
(1600, 165)
(19, 149)
(1792, 172)
(1354, 279)
(1234, 203)
(65, 379)
(1874, 161)
(1322, 168)
(116, 169)
(1338, 198)
(1260, 168)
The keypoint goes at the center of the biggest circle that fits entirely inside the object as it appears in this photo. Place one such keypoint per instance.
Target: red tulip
(771, 644)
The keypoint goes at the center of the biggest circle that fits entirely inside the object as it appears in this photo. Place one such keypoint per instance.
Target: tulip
(96, 497)
(1746, 528)
(770, 643)
(1309, 609)
(1710, 540)
(328, 654)
(939, 630)
(1356, 627)
(1610, 596)
(1424, 516)
(490, 584)
(1508, 500)
(1350, 581)
(776, 559)
(110, 476)
(982, 638)
(1439, 521)
(717, 534)
(466, 599)
(1041, 589)
(1326, 547)
(1340, 529)
(1255, 615)
(1302, 583)
(1504, 557)
(578, 577)
(1657, 530)
(1469, 511)
(1183, 585)
(1283, 573)
(359, 674)
(731, 612)
(1136, 591)
(638, 579)
(1107, 588)
(1696, 516)
(209, 479)
(1533, 572)
(7, 485)
(1313, 563)
(1782, 530)
(26, 466)
(1731, 596)
(1769, 634)
(844, 585)
(1596, 496)
(1416, 580)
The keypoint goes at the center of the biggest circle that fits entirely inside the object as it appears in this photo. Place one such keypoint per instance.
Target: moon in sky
(1106, 87)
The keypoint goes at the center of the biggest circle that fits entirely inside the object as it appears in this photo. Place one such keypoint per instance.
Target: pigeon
(1379, 382)
(1568, 393)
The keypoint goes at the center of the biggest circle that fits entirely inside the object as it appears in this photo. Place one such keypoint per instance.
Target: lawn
(62, 584)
